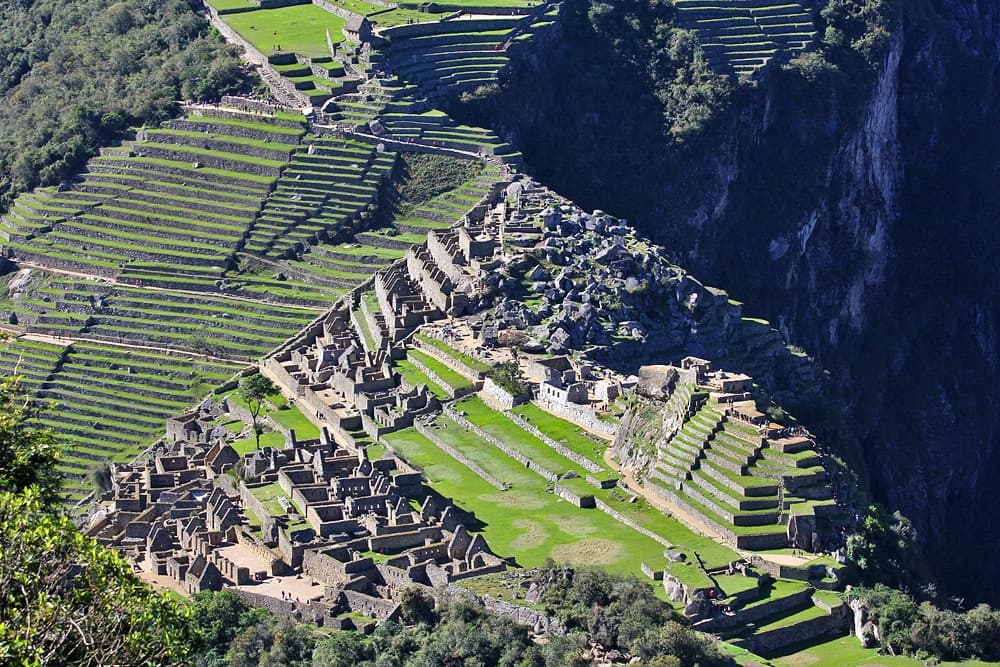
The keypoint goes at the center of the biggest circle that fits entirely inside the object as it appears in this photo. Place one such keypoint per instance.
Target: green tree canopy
(253, 389)
(28, 453)
(66, 600)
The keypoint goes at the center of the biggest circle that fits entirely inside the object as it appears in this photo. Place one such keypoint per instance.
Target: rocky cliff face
(858, 216)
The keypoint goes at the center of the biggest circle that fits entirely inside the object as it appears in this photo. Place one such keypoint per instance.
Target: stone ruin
(347, 538)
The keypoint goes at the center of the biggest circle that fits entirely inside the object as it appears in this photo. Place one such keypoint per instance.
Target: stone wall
(253, 56)
(366, 605)
(621, 518)
(438, 28)
(749, 542)
(586, 501)
(581, 415)
(252, 503)
(497, 394)
(334, 9)
(536, 620)
(581, 461)
(772, 640)
(428, 433)
(509, 451)
(455, 364)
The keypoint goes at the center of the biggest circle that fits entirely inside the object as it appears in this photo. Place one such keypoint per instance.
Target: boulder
(800, 531)
(656, 381)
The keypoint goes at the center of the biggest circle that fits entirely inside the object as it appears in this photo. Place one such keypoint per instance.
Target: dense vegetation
(423, 176)
(911, 615)
(924, 630)
(622, 613)
(64, 599)
(75, 74)
(614, 611)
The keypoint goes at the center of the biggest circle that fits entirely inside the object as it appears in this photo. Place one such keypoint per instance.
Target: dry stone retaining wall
(561, 449)
(428, 433)
(513, 453)
(581, 415)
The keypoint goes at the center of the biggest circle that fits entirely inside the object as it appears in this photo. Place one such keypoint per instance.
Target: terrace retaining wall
(631, 523)
(513, 453)
(580, 415)
(253, 56)
(582, 461)
(428, 433)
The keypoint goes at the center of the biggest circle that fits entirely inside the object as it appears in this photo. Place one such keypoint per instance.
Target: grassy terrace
(32, 362)
(222, 326)
(497, 425)
(322, 191)
(848, 652)
(267, 439)
(416, 377)
(108, 402)
(300, 29)
(449, 351)
(159, 208)
(452, 378)
(744, 36)
(527, 519)
(566, 433)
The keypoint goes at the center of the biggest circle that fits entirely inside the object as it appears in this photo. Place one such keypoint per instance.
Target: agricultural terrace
(108, 403)
(300, 29)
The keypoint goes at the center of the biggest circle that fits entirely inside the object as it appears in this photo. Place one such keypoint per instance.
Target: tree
(273, 643)
(341, 649)
(507, 376)
(416, 606)
(28, 453)
(64, 599)
(220, 617)
(253, 389)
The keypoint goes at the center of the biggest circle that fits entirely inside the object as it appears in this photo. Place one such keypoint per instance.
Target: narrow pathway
(682, 515)
(115, 282)
(69, 340)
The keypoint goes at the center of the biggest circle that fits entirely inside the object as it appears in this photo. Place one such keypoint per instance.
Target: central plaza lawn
(847, 652)
(300, 29)
(527, 520)
(711, 552)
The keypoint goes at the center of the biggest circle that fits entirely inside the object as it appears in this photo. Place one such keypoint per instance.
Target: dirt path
(682, 515)
(116, 282)
(69, 340)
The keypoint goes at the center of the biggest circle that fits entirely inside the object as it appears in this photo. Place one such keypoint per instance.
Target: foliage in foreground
(64, 599)
(617, 612)
(68, 600)
(75, 74)
(28, 453)
(923, 630)
(622, 613)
